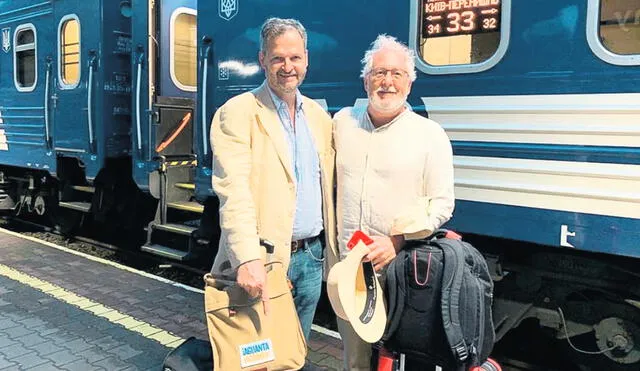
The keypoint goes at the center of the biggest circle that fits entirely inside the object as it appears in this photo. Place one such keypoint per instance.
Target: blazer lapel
(267, 117)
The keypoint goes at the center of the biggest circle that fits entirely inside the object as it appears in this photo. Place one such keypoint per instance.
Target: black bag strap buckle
(461, 351)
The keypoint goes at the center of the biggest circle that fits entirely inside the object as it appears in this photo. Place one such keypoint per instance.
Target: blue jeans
(305, 273)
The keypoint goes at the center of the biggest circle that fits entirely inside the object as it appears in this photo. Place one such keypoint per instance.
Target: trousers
(305, 274)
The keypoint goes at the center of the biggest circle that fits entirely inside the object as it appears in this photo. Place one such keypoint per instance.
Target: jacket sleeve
(231, 145)
(436, 206)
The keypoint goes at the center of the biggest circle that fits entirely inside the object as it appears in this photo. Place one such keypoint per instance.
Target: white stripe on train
(579, 119)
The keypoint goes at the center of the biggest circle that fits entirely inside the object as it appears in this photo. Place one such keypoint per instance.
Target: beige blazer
(255, 182)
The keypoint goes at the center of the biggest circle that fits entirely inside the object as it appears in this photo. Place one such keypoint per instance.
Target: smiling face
(285, 63)
(388, 83)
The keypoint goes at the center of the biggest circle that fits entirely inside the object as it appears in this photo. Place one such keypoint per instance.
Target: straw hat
(356, 295)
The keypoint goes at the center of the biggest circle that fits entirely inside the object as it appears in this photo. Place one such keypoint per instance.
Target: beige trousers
(356, 352)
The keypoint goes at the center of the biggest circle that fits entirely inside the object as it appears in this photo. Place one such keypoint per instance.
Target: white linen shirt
(392, 180)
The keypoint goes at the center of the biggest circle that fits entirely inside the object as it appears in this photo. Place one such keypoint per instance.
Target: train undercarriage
(587, 304)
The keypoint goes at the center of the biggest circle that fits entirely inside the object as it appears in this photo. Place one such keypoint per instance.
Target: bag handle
(221, 293)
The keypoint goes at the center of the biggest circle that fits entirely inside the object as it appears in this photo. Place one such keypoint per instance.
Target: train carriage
(65, 88)
(542, 103)
(105, 110)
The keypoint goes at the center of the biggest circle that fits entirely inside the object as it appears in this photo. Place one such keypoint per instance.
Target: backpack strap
(451, 286)
(395, 286)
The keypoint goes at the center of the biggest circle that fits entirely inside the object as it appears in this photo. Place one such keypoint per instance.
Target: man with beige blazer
(273, 167)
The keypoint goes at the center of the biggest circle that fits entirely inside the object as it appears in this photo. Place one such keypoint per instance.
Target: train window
(454, 36)
(69, 52)
(183, 53)
(25, 70)
(613, 30)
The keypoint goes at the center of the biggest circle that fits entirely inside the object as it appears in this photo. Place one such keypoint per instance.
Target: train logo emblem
(6, 41)
(223, 73)
(227, 9)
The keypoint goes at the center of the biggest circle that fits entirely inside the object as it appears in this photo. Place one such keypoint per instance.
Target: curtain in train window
(620, 26)
(25, 59)
(458, 33)
(184, 51)
(70, 52)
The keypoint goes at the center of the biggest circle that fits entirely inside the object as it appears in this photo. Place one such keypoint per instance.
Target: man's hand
(252, 277)
(383, 250)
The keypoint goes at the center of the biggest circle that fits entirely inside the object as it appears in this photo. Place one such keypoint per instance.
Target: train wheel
(614, 344)
(619, 339)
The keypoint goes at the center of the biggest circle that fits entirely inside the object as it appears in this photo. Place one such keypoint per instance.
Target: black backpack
(439, 294)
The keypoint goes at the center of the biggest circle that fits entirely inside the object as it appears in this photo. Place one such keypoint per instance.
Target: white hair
(386, 42)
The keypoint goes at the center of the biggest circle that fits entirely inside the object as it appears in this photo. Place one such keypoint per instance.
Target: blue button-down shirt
(306, 165)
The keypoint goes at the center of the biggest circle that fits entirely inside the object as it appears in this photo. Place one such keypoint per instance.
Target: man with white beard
(394, 170)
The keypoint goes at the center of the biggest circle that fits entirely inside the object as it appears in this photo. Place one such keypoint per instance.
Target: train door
(72, 67)
(176, 88)
(171, 135)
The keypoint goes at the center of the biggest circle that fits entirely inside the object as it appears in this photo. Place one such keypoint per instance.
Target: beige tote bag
(242, 337)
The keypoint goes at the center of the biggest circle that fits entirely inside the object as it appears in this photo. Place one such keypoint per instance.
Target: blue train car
(105, 103)
(95, 115)
(541, 100)
(64, 100)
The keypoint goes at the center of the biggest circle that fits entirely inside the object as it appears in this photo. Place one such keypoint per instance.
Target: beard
(286, 88)
(387, 105)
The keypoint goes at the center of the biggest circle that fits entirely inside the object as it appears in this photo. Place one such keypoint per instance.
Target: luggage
(192, 355)
(242, 336)
(383, 360)
(439, 294)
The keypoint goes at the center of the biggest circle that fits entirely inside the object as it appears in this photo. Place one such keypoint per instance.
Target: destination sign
(459, 17)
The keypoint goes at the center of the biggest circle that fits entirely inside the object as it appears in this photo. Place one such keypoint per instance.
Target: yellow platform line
(118, 318)
(99, 260)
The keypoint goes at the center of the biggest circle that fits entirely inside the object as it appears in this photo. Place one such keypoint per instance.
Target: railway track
(125, 253)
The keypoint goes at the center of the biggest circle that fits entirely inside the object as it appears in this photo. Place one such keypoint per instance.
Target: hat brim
(356, 295)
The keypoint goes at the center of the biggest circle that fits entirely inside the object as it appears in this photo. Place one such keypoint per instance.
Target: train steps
(78, 198)
(174, 231)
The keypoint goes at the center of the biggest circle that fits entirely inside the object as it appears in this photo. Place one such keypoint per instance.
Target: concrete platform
(63, 310)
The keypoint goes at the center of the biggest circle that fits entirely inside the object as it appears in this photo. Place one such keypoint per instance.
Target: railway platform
(64, 310)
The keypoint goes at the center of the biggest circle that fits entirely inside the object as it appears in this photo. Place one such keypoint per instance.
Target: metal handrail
(205, 63)
(46, 104)
(90, 102)
(138, 83)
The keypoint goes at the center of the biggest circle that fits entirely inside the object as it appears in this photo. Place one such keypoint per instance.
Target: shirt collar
(373, 128)
(280, 104)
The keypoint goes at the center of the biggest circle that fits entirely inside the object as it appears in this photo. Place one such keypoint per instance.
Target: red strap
(358, 236)
(453, 235)
(385, 360)
(495, 365)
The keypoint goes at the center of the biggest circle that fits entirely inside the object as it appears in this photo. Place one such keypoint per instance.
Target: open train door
(172, 63)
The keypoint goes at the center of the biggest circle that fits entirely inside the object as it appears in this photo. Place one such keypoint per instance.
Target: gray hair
(386, 42)
(274, 27)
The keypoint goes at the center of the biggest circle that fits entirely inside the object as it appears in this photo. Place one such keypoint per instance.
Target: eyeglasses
(380, 74)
